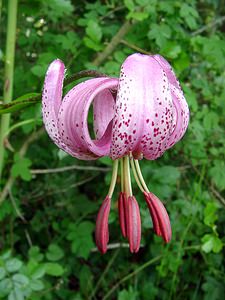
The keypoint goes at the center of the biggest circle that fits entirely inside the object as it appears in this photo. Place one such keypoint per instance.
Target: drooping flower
(140, 115)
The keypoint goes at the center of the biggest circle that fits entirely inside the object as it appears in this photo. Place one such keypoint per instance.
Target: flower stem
(127, 179)
(140, 175)
(114, 177)
(9, 70)
(136, 175)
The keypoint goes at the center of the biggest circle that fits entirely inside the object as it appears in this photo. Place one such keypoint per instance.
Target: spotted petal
(143, 113)
(73, 116)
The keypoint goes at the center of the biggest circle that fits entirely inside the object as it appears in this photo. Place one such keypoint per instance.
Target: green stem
(136, 175)
(138, 270)
(122, 174)
(127, 179)
(114, 177)
(138, 169)
(9, 71)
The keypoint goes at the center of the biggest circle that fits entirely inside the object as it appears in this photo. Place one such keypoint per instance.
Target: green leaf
(21, 167)
(81, 237)
(36, 285)
(211, 243)
(217, 174)
(54, 269)
(210, 215)
(5, 287)
(34, 253)
(2, 273)
(20, 103)
(20, 280)
(16, 294)
(13, 265)
(54, 252)
(94, 31)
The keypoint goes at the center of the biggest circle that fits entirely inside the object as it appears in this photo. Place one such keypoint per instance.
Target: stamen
(136, 175)
(127, 179)
(140, 175)
(114, 177)
(122, 174)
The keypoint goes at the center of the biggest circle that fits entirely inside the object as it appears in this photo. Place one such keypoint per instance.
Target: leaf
(211, 243)
(13, 265)
(16, 294)
(54, 252)
(54, 269)
(217, 174)
(20, 280)
(21, 167)
(36, 285)
(20, 103)
(34, 253)
(210, 215)
(5, 287)
(94, 31)
(2, 273)
(81, 237)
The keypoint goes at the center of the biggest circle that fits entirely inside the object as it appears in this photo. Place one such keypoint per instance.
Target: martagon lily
(140, 115)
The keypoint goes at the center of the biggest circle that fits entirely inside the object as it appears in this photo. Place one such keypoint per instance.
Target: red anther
(161, 216)
(134, 224)
(123, 212)
(153, 214)
(102, 230)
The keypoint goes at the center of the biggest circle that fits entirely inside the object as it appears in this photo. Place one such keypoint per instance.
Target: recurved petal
(143, 112)
(180, 117)
(168, 69)
(73, 116)
(162, 217)
(51, 102)
(102, 230)
(153, 214)
(51, 99)
(134, 224)
(180, 107)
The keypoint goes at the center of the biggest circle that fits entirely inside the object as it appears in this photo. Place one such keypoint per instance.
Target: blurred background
(49, 200)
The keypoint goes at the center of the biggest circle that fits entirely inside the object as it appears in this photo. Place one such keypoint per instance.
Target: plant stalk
(9, 71)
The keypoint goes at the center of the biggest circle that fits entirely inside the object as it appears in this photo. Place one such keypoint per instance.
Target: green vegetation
(48, 211)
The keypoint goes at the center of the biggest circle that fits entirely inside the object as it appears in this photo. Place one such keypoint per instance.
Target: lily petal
(102, 230)
(73, 115)
(181, 111)
(143, 113)
(134, 224)
(51, 103)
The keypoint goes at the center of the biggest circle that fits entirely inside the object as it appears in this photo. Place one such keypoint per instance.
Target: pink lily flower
(140, 115)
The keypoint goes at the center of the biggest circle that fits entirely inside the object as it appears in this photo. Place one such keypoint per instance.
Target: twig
(16, 208)
(132, 46)
(28, 238)
(34, 136)
(113, 43)
(217, 194)
(115, 246)
(212, 24)
(79, 183)
(135, 272)
(94, 291)
(69, 168)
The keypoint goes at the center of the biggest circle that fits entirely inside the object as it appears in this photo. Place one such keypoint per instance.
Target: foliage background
(47, 220)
